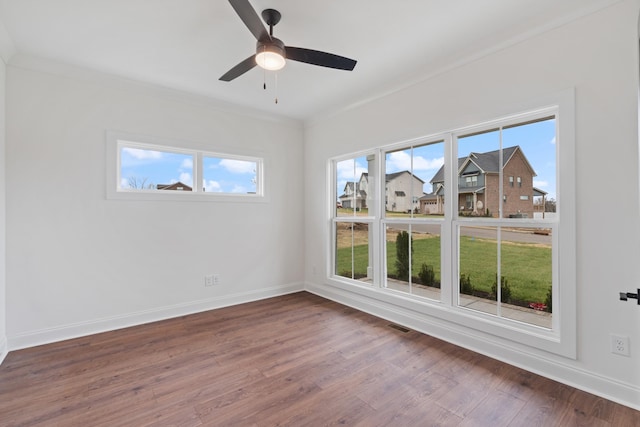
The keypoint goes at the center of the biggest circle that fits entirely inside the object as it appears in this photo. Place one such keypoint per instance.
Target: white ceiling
(188, 44)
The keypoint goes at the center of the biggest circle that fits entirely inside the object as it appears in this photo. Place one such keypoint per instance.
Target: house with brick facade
(479, 186)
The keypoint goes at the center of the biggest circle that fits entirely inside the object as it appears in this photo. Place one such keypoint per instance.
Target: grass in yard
(527, 267)
(426, 249)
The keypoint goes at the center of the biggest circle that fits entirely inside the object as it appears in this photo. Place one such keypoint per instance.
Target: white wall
(3, 304)
(598, 56)
(78, 263)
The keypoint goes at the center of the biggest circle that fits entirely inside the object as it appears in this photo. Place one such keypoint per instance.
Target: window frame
(561, 338)
(115, 141)
(370, 219)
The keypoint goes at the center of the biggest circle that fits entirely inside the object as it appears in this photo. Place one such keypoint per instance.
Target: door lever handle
(625, 295)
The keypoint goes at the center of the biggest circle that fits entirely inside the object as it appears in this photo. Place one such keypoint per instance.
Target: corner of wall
(3, 300)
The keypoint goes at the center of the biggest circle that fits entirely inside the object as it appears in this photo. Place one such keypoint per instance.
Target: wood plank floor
(296, 360)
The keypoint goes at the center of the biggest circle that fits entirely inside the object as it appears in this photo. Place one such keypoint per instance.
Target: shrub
(403, 243)
(548, 299)
(505, 289)
(427, 275)
(465, 285)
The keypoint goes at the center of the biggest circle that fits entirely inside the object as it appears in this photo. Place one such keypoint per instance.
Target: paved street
(520, 236)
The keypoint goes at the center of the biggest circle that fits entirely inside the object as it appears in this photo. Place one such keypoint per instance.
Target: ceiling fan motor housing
(274, 45)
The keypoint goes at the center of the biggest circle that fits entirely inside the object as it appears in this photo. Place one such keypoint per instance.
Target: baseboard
(61, 333)
(608, 388)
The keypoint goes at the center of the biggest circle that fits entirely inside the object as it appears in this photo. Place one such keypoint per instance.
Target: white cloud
(187, 163)
(124, 183)
(420, 163)
(185, 178)
(553, 140)
(211, 186)
(139, 154)
(345, 170)
(238, 166)
(401, 160)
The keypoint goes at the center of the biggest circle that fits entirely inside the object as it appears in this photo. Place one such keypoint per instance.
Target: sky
(537, 141)
(141, 168)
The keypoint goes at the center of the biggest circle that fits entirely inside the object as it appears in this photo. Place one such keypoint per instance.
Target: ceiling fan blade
(250, 18)
(239, 69)
(322, 59)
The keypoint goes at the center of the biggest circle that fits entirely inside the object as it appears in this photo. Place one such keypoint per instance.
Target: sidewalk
(514, 312)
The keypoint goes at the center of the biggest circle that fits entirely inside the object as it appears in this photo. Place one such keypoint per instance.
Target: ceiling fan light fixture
(271, 61)
(270, 55)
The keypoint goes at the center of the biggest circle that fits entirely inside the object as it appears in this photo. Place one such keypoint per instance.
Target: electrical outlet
(209, 280)
(216, 279)
(620, 344)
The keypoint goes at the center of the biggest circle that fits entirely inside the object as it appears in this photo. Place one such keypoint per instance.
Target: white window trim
(114, 140)
(561, 338)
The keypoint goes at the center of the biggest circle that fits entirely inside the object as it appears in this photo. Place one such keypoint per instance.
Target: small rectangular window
(142, 168)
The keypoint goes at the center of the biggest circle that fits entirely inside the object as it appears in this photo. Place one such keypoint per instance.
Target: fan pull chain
(276, 88)
(264, 73)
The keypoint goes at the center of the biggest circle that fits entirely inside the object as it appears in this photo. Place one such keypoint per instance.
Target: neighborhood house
(402, 190)
(478, 188)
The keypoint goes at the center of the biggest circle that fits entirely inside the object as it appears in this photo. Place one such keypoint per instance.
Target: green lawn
(527, 268)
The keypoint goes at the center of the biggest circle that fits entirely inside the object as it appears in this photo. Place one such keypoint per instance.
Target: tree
(140, 183)
(550, 205)
(403, 243)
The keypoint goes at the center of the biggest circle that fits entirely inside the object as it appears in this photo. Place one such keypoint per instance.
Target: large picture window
(468, 221)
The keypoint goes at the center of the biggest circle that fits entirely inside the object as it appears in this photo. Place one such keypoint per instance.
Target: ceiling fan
(271, 53)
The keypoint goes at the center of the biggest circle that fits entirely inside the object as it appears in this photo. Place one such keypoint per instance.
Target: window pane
(399, 247)
(353, 256)
(534, 168)
(409, 190)
(413, 259)
(478, 174)
(225, 175)
(478, 261)
(145, 169)
(525, 165)
(526, 268)
(354, 187)
(525, 272)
